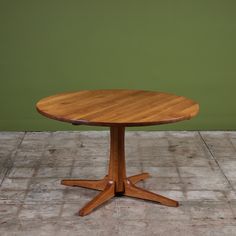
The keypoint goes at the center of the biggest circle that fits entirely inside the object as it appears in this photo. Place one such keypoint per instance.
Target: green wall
(185, 47)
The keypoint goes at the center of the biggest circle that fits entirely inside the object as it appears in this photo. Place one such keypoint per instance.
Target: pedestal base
(108, 191)
(116, 182)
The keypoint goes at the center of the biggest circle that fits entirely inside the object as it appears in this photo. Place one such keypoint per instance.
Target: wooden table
(117, 109)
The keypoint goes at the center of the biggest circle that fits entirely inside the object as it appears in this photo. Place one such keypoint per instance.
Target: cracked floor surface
(196, 168)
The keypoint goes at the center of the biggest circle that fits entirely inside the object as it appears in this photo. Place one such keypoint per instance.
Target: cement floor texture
(196, 168)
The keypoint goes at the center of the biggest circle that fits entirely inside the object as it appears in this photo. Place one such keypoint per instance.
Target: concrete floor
(196, 168)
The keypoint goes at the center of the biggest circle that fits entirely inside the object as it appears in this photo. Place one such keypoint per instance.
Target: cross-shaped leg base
(108, 191)
(116, 182)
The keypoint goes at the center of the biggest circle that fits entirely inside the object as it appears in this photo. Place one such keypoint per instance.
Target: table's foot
(92, 184)
(136, 178)
(102, 197)
(133, 191)
(108, 188)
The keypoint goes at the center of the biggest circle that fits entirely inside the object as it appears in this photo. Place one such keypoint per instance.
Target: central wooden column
(117, 170)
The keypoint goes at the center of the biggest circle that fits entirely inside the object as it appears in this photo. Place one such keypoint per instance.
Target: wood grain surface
(117, 107)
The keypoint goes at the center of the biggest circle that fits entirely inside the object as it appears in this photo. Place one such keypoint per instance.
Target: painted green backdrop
(185, 47)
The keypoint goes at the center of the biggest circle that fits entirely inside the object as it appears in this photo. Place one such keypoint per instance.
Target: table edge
(124, 124)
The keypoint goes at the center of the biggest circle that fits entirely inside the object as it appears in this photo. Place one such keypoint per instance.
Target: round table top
(117, 107)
